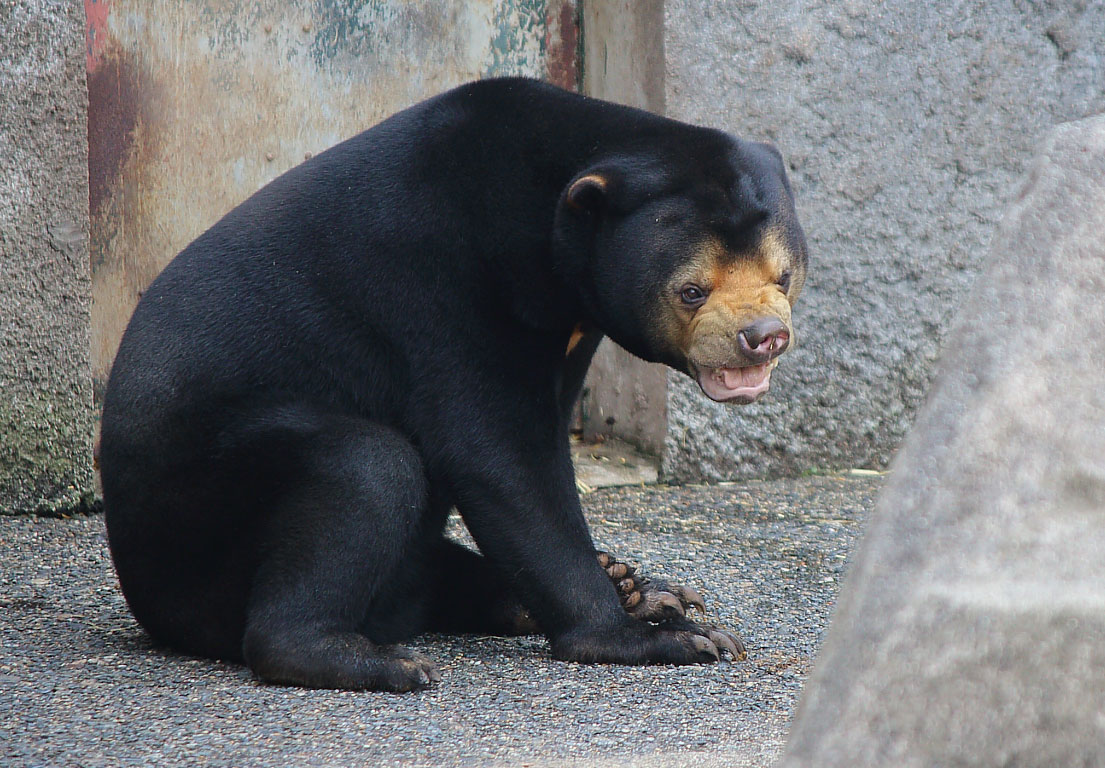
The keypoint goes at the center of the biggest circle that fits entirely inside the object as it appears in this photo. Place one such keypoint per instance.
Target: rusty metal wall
(195, 104)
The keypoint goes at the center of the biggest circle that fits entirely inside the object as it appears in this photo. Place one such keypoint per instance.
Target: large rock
(905, 125)
(46, 415)
(972, 628)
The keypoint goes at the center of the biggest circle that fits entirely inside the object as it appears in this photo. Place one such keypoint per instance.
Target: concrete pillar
(623, 61)
(46, 414)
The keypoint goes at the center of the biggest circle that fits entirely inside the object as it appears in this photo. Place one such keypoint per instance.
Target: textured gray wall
(45, 385)
(904, 124)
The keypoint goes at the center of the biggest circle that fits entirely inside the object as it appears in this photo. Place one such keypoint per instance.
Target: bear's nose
(764, 339)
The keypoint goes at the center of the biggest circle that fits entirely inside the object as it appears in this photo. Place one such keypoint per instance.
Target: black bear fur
(380, 335)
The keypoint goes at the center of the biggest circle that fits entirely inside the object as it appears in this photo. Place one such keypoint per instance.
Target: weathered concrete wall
(904, 124)
(196, 105)
(45, 389)
(971, 630)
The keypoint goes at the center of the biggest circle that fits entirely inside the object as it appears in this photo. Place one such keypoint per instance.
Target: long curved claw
(688, 596)
(647, 600)
(704, 645)
(728, 641)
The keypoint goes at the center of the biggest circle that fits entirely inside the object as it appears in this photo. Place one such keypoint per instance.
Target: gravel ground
(80, 684)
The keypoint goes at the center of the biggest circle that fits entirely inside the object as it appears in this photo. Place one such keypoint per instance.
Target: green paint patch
(347, 29)
(518, 42)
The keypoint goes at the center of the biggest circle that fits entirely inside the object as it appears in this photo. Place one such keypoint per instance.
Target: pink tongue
(751, 376)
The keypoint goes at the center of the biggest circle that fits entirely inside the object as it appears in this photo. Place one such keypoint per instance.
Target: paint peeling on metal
(113, 99)
(518, 41)
(562, 43)
(196, 105)
(96, 13)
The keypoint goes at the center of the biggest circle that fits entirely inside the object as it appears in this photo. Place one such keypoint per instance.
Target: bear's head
(691, 255)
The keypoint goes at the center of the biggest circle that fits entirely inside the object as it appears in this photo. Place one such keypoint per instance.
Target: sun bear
(400, 326)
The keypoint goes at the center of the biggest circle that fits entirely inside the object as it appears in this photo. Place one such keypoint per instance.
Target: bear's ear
(590, 192)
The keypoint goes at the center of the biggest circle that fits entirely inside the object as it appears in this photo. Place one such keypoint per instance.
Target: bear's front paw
(722, 639)
(649, 599)
(678, 641)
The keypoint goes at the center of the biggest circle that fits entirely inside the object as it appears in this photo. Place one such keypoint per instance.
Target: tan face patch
(740, 290)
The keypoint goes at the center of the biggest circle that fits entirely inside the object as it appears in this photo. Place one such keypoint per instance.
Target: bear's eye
(692, 295)
(784, 281)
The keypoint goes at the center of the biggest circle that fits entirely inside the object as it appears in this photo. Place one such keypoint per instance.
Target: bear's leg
(343, 532)
(469, 596)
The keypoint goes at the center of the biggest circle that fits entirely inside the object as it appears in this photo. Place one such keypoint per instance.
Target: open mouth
(735, 385)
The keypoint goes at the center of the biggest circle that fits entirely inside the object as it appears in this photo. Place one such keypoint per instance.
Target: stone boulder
(971, 630)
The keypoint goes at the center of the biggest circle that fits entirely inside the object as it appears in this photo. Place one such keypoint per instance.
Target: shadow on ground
(80, 683)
